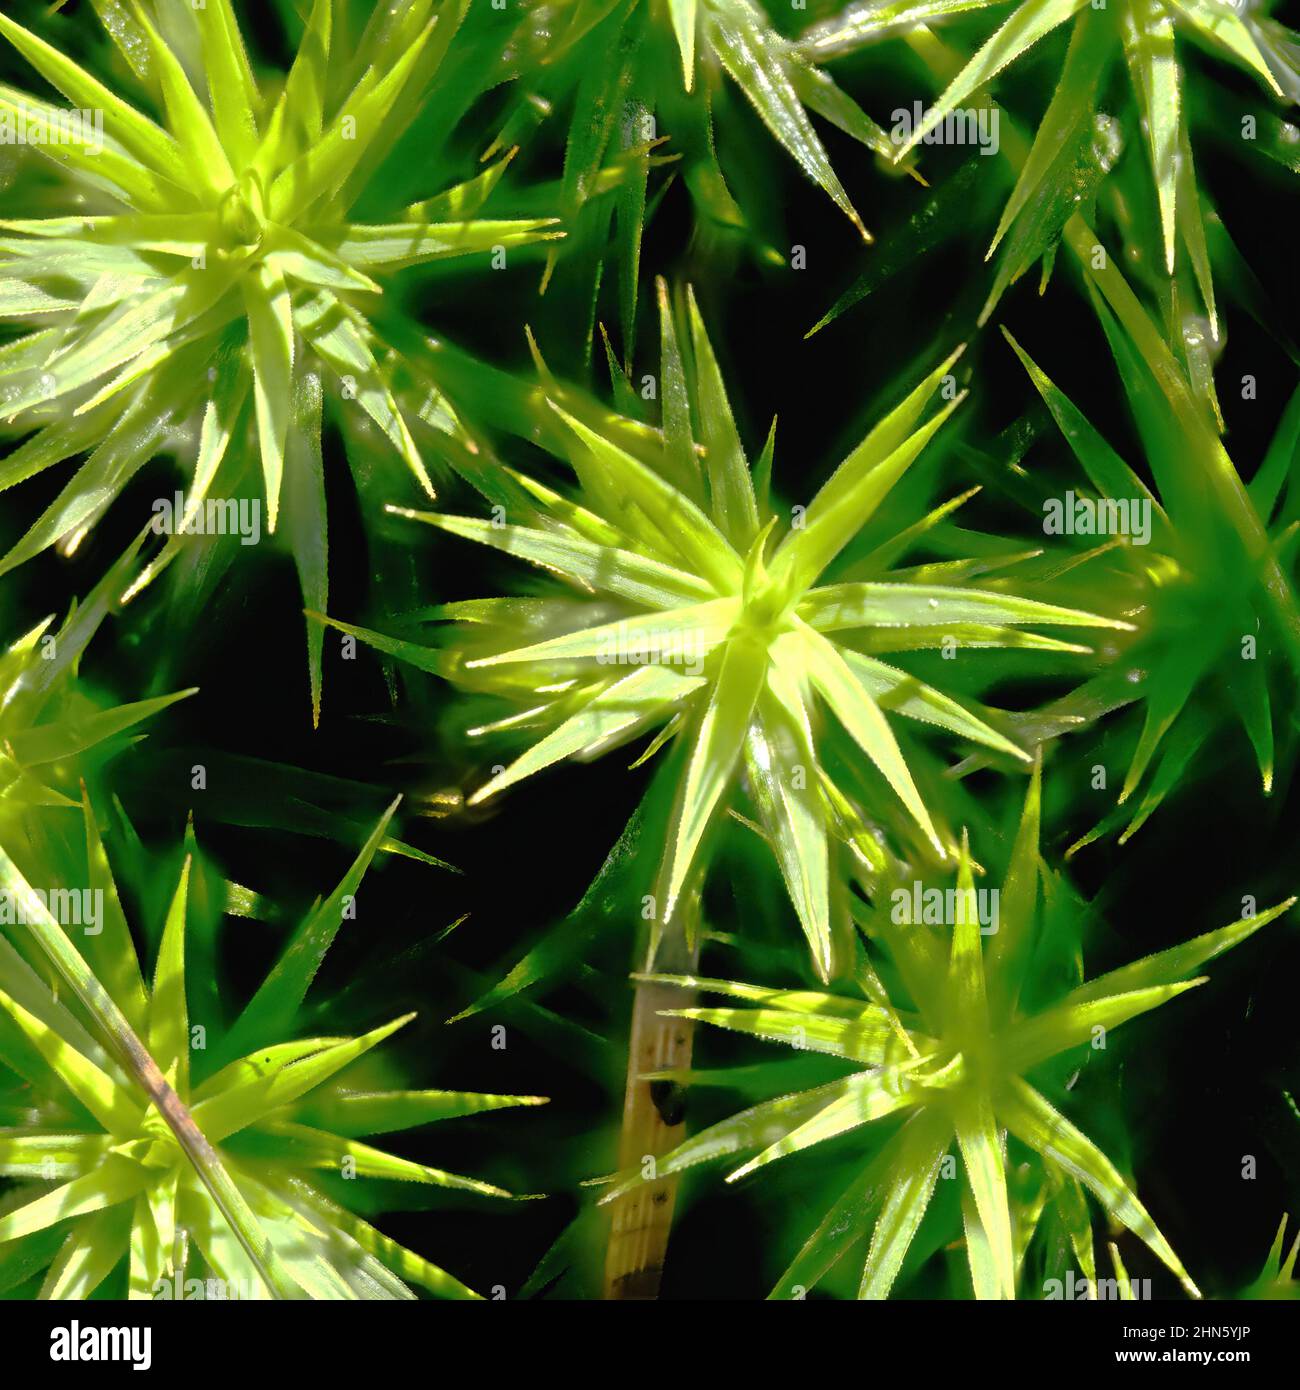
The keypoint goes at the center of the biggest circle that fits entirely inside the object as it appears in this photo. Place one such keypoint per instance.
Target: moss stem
(653, 1122)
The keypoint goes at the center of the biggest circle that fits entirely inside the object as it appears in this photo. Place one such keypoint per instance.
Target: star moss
(1144, 34)
(206, 260)
(736, 641)
(115, 1169)
(957, 1055)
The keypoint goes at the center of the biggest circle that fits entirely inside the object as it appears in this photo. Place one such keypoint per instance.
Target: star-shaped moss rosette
(1210, 650)
(958, 1053)
(198, 263)
(1076, 170)
(158, 1152)
(689, 621)
(1141, 33)
(643, 81)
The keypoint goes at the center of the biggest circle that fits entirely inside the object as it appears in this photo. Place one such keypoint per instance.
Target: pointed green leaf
(781, 764)
(611, 569)
(1069, 114)
(760, 1125)
(1167, 967)
(242, 1105)
(272, 1010)
(1148, 31)
(298, 119)
(836, 682)
(839, 606)
(106, 1100)
(65, 738)
(310, 263)
(1010, 945)
(682, 531)
(981, 1150)
(186, 114)
(463, 201)
(271, 339)
(1108, 473)
(682, 634)
(117, 1179)
(327, 324)
(684, 17)
(857, 487)
(898, 692)
(138, 135)
(359, 1114)
(49, 1156)
(231, 87)
(148, 1256)
(397, 1257)
(718, 745)
(731, 489)
(1223, 25)
(870, 1038)
(1029, 23)
(169, 1021)
(1072, 1024)
(842, 1227)
(909, 1186)
(405, 244)
(868, 1096)
(317, 1149)
(102, 163)
(609, 715)
(307, 520)
(966, 1000)
(1072, 1209)
(785, 1000)
(752, 53)
(261, 1063)
(1036, 1123)
(322, 169)
(92, 1251)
